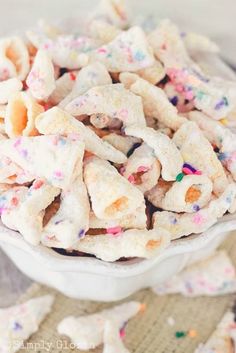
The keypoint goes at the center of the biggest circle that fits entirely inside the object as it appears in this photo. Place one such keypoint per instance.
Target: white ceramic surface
(90, 278)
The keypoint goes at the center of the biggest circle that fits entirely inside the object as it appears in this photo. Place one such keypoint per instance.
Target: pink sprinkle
(102, 50)
(17, 143)
(55, 140)
(122, 170)
(122, 333)
(123, 113)
(187, 171)
(14, 201)
(179, 88)
(58, 174)
(189, 95)
(198, 219)
(198, 172)
(171, 73)
(142, 168)
(37, 184)
(131, 179)
(73, 136)
(229, 270)
(72, 76)
(114, 230)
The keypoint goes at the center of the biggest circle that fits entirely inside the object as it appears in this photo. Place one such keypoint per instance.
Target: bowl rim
(61, 263)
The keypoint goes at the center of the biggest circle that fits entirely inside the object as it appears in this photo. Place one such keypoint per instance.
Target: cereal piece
(66, 51)
(164, 149)
(9, 87)
(112, 100)
(56, 121)
(11, 173)
(63, 86)
(131, 243)
(220, 136)
(189, 195)
(41, 81)
(20, 116)
(213, 276)
(113, 11)
(103, 31)
(223, 339)
(153, 74)
(14, 58)
(71, 221)
(87, 332)
(22, 209)
(179, 225)
(157, 193)
(121, 143)
(195, 42)
(142, 168)
(19, 322)
(112, 196)
(129, 51)
(155, 101)
(112, 340)
(53, 157)
(197, 151)
(137, 219)
(91, 75)
(212, 95)
(168, 46)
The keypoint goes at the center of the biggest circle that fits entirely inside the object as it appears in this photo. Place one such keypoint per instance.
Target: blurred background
(215, 18)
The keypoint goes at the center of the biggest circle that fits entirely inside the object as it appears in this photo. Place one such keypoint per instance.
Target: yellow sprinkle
(192, 333)
(224, 121)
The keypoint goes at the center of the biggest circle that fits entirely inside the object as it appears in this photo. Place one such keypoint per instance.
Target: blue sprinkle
(222, 156)
(62, 141)
(174, 100)
(229, 199)
(139, 56)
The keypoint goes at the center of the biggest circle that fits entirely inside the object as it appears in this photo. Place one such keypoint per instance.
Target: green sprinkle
(200, 95)
(225, 100)
(180, 334)
(179, 177)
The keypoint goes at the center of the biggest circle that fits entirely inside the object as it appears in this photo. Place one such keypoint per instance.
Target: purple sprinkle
(17, 326)
(186, 165)
(58, 222)
(24, 153)
(196, 208)
(219, 105)
(81, 233)
(183, 34)
(174, 100)
(173, 220)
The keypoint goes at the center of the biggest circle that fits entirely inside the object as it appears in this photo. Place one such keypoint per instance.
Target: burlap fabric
(150, 331)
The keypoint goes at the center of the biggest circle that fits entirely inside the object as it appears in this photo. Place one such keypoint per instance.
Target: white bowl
(90, 278)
